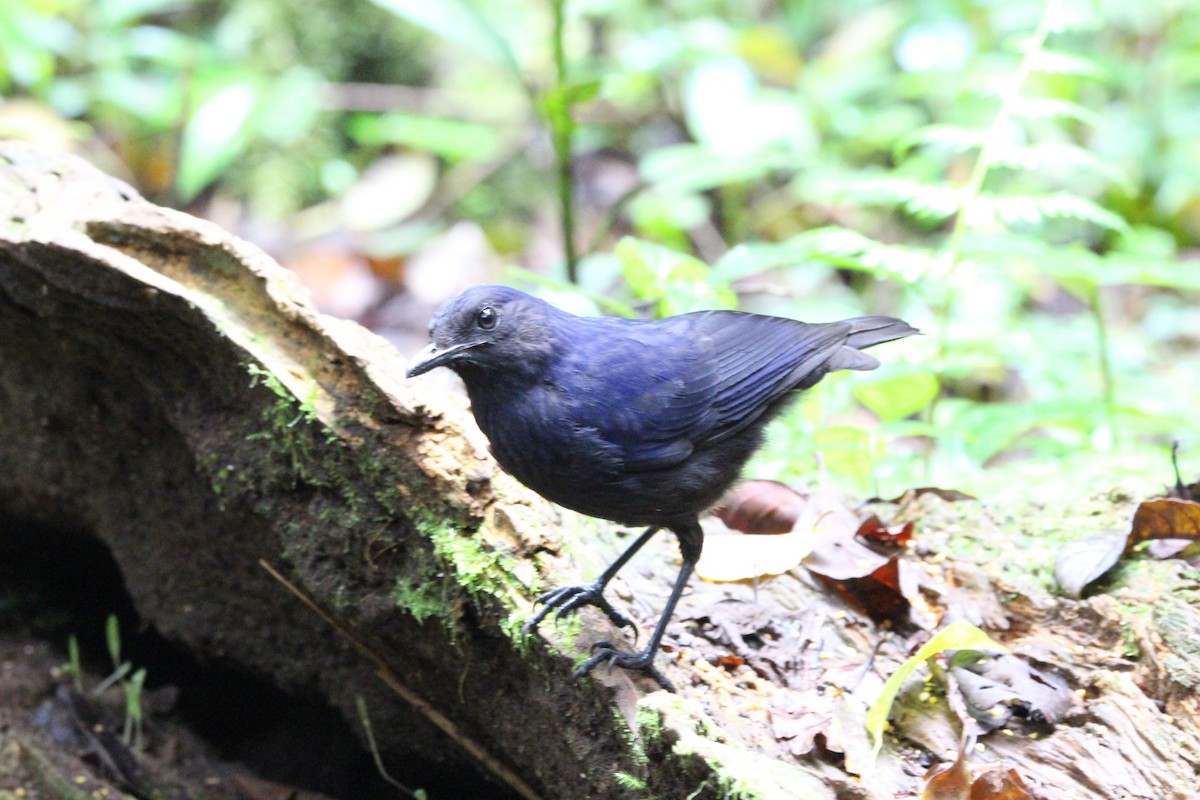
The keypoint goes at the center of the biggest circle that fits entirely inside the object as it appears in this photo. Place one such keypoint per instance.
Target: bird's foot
(566, 599)
(606, 653)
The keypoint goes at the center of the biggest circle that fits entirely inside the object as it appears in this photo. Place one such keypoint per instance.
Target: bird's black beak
(431, 357)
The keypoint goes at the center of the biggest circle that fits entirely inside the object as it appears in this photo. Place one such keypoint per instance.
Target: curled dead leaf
(949, 783)
(873, 529)
(992, 783)
(1078, 563)
(999, 784)
(1164, 518)
(761, 507)
(882, 595)
(949, 495)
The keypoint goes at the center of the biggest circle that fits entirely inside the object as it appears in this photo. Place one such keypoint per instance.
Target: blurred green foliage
(1019, 179)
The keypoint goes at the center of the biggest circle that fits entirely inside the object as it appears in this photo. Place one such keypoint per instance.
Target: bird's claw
(606, 653)
(567, 599)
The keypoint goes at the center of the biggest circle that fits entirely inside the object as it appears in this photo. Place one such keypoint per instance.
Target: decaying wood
(170, 391)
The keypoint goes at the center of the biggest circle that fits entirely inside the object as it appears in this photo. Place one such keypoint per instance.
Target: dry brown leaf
(837, 554)
(873, 530)
(730, 661)
(1077, 564)
(1164, 518)
(949, 495)
(761, 507)
(865, 579)
(999, 784)
(993, 783)
(950, 783)
(340, 280)
(881, 595)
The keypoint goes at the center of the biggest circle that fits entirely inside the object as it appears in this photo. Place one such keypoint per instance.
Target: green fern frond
(951, 138)
(1056, 62)
(1015, 210)
(923, 200)
(1042, 108)
(629, 782)
(1056, 156)
(834, 246)
(1079, 264)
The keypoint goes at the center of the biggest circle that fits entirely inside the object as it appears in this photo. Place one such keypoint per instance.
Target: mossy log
(278, 497)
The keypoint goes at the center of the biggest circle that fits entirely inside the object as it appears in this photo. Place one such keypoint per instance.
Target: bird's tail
(867, 332)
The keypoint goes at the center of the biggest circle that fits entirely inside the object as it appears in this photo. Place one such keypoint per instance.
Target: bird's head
(488, 329)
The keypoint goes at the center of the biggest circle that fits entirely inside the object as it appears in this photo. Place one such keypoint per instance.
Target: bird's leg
(569, 598)
(691, 541)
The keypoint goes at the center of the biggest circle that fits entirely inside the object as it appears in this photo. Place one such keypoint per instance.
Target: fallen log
(278, 497)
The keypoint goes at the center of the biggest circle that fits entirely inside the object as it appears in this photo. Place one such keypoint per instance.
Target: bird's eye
(487, 318)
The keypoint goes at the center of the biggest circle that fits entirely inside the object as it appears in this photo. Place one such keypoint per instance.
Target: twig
(365, 718)
(443, 723)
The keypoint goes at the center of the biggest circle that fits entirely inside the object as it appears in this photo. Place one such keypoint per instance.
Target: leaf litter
(1171, 525)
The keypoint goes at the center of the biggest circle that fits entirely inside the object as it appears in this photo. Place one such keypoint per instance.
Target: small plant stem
(952, 252)
(992, 135)
(365, 718)
(1108, 386)
(562, 126)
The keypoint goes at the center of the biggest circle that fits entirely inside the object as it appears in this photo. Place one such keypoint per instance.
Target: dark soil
(211, 731)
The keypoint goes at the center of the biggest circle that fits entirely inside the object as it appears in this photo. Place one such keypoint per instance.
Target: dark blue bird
(636, 421)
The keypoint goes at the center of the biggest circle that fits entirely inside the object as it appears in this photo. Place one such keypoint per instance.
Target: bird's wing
(657, 391)
(760, 359)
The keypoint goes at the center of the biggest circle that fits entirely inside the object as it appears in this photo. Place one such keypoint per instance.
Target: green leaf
(898, 396)
(1053, 62)
(290, 107)
(154, 102)
(664, 215)
(459, 22)
(1012, 210)
(936, 202)
(953, 138)
(693, 167)
(213, 137)
(1056, 156)
(1038, 108)
(164, 48)
(955, 636)
(1110, 269)
(1146, 242)
(112, 634)
(833, 246)
(584, 91)
(452, 139)
(565, 287)
(675, 281)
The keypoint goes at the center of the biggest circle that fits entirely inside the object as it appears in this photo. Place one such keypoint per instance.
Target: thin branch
(419, 704)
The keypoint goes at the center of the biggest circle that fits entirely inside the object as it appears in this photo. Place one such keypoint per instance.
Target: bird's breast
(536, 439)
